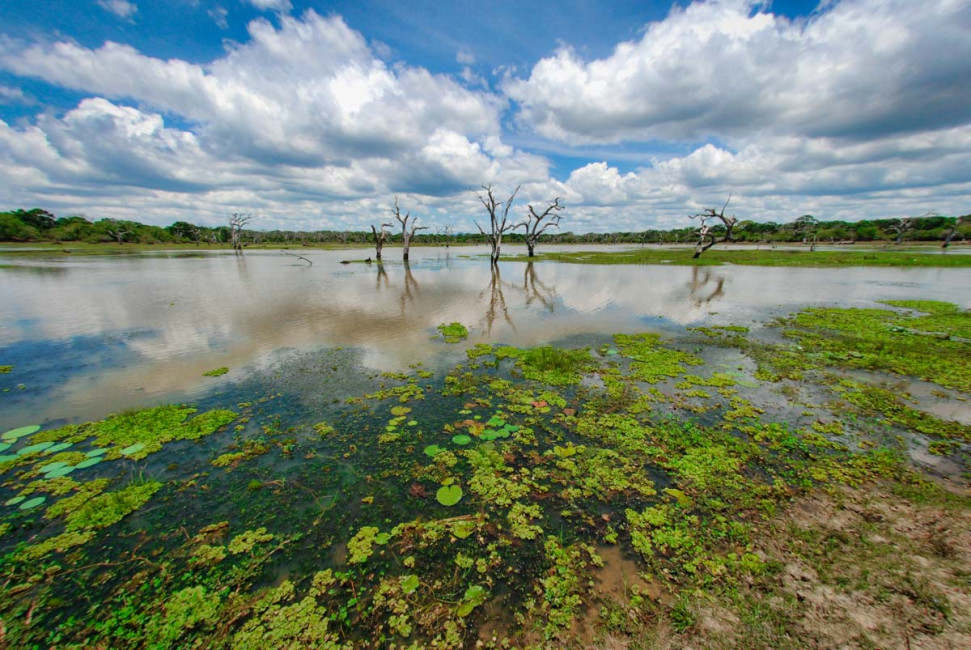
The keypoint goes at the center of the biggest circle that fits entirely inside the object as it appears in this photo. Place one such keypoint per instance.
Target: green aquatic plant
(216, 372)
(6, 370)
(361, 546)
(20, 432)
(109, 508)
(244, 542)
(449, 495)
(651, 362)
(433, 450)
(453, 332)
(461, 439)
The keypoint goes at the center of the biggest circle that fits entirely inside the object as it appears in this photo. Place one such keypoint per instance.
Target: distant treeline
(41, 226)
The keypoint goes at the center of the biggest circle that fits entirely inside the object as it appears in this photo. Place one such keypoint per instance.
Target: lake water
(90, 335)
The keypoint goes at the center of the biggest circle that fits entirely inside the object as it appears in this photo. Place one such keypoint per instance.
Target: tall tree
(534, 223)
(406, 234)
(498, 219)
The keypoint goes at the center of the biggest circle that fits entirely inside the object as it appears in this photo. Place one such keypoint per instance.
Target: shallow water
(91, 335)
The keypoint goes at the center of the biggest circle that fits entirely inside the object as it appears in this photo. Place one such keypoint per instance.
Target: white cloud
(121, 8)
(10, 95)
(728, 68)
(465, 57)
(271, 5)
(219, 16)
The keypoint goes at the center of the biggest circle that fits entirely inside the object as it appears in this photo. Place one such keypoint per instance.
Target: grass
(769, 257)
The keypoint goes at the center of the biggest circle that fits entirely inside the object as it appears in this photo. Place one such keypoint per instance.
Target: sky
(315, 115)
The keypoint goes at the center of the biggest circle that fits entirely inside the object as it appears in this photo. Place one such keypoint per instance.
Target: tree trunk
(407, 246)
(530, 247)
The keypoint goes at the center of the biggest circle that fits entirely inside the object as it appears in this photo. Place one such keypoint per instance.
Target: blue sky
(315, 114)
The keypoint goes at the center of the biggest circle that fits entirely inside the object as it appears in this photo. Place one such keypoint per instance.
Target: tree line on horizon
(38, 225)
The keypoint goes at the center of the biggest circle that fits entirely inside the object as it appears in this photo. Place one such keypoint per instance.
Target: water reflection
(706, 285)
(208, 311)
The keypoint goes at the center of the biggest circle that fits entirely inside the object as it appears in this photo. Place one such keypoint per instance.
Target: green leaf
(461, 439)
(33, 503)
(40, 446)
(449, 495)
(60, 471)
(409, 584)
(433, 450)
(13, 434)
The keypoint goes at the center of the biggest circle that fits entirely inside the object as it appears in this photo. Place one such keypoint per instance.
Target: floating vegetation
(14, 434)
(453, 332)
(586, 499)
(216, 372)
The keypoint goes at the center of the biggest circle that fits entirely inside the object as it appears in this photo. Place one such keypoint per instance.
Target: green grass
(771, 257)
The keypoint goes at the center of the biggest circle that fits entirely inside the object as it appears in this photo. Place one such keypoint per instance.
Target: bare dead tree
(119, 233)
(534, 223)
(498, 219)
(236, 222)
(949, 235)
(301, 257)
(406, 235)
(706, 237)
(380, 237)
(901, 228)
(449, 231)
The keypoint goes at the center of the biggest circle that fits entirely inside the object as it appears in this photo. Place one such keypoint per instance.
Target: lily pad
(449, 495)
(463, 529)
(89, 462)
(50, 467)
(33, 503)
(15, 500)
(461, 439)
(7, 458)
(412, 423)
(4, 446)
(96, 452)
(433, 450)
(61, 446)
(400, 410)
(60, 471)
(409, 584)
(13, 434)
(33, 449)
(495, 421)
(683, 499)
(132, 449)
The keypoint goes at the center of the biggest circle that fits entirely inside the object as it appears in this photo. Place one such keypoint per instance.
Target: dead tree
(119, 233)
(706, 236)
(380, 237)
(236, 222)
(498, 219)
(949, 235)
(534, 223)
(901, 228)
(406, 235)
(299, 257)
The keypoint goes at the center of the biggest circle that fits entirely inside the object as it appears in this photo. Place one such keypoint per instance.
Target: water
(90, 335)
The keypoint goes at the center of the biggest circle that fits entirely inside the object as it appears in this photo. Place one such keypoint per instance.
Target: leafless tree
(380, 237)
(300, 257)
(901, 228)
(949, 235)
(534, 223)
(236, 222)
(119, 233)
(706, 237)
(406, 235)
(498, 218)
(448, 231)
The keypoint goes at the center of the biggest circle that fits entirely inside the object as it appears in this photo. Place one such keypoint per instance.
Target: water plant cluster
(641, 489)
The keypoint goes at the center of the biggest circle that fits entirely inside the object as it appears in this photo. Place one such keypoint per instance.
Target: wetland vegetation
(722, 486)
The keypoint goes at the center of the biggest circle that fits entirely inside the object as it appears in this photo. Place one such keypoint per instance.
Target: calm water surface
(91, 335)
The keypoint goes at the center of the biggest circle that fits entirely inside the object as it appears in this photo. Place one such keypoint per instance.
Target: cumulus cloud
(121, 8)
(857, 69)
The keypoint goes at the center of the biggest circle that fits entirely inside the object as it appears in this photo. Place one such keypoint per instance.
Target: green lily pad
(683, 499)
(382, 538)
(13, 434)
(7, 458)
(433, 450)
(89, 462)
(96, 452)
(409, 584)
(60, 471)
(50, 467)
(4, 446)
(15, 500)
(61, 446)
(400, 410)
(132, 449)
(33, 503)
(463, 529)
(412, 423)
(449, 495)
(32, 449)
(461, 439)
(495, 421)
(512, 428)
(613, 351)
